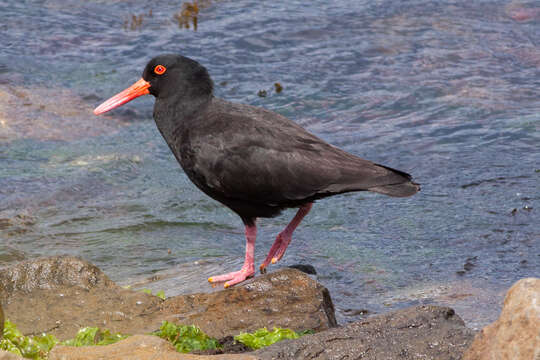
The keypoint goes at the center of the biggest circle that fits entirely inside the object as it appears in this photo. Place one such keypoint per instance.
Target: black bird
(252, 160)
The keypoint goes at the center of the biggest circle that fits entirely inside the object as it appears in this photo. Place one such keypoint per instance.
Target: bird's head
(165, 76)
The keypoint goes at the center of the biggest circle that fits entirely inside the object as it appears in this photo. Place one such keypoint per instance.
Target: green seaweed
(35, 347)
(160, 294)
(94, 336)
(186, 338)
(262, 337)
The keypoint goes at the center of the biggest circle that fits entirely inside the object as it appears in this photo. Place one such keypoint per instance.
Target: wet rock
(423, 332)
(134, 347)
(1, 322)
(516, 334)
(306, 268)
(286, 298)
(59, 295)
(49, 274)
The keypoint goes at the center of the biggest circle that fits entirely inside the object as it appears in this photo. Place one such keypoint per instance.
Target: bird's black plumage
(252, 160)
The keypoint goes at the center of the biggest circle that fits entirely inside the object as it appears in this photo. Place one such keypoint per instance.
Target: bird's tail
(404, 189)
(399, 189)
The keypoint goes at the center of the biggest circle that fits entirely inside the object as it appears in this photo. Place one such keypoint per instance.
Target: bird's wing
(261, 157)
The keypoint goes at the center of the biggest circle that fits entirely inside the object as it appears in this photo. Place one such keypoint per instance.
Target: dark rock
(308, 269)
(423, 332)
(356, 312)
(228, 346)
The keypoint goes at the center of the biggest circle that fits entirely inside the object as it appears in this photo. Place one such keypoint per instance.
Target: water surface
(447, 91)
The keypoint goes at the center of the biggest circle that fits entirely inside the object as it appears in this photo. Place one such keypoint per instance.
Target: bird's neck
(174, 115)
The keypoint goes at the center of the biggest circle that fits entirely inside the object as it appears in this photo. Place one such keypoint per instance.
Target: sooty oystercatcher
(252, 160)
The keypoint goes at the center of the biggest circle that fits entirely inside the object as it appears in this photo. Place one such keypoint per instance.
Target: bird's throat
(174, 116)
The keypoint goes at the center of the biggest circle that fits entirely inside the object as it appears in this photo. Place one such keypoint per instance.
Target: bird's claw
(232, 278)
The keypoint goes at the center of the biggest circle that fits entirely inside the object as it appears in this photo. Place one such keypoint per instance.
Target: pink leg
(248, 269)
(284, 238)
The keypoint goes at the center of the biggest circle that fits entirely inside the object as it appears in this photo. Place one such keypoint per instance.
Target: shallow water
(448, 91)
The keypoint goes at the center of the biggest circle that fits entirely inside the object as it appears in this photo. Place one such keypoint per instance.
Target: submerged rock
(61, 294)
(31, 112)
(516, 334)
(423, 332)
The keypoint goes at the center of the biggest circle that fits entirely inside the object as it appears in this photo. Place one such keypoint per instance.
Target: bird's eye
(160, 69)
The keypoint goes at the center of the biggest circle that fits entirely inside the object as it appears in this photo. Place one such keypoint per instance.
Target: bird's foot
(276, 252)
(232, 278)
(281, 251)
(269, 260)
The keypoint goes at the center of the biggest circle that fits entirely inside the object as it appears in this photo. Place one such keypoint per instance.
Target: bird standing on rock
(252, 160)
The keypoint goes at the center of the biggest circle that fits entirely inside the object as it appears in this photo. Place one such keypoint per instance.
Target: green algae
(30, 347)
(186, 338)
(262, 337)
(94, 336)
(38, 347)
(160, 294)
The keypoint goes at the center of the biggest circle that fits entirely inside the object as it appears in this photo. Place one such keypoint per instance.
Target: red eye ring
(160, 69)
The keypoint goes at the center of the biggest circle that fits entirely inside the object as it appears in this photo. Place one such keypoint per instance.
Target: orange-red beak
(138, 89)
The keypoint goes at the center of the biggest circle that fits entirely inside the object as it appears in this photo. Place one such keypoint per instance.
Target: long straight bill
(138, 89)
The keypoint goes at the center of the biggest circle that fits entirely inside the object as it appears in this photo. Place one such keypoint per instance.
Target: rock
(1, 322)
(59, 295)
(423, 332)
(31, 112)
(49, 274)
(132, 348)
(6, 355)
(287, 298)
(308, 269)
(516, 334)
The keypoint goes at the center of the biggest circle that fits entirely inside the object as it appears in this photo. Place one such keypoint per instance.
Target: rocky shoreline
(59, 295)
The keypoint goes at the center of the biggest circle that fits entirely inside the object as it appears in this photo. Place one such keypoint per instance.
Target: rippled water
(448, 91)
